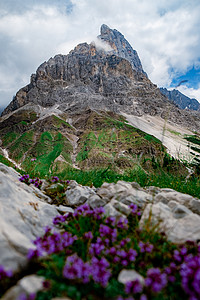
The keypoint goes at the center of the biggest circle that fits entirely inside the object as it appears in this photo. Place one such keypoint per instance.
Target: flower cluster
(55, 179)
(122, 223)
(145, 247)
(25, 178)
(60, 219)
(95, 248)
(35, 181)
(51, 242)
(190, 273)
(156, 280)
(75, 268)
(96, 270)
(133, 287)
(108, 233)
(85, 211)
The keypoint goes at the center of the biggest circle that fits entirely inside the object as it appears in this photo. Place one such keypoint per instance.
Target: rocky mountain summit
(120, 46)
(90, 77)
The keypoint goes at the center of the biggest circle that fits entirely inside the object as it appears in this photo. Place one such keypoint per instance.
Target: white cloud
(165, 34)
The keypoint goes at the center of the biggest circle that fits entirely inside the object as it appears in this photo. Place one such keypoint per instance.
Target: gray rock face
(165, 196)
(77, 194)
(22, 218)
(120, 46)
(89, 77)
(178, 230)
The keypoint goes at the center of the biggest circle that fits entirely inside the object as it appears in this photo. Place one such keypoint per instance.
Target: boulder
(96, 201)
(77, 194)
(129, 275)
(167, 195)
(178, 230)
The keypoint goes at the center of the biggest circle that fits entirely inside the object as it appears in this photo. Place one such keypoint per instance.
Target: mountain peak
(120, 46)
(104, 29)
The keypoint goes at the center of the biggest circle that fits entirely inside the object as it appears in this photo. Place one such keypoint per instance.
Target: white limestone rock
(167, 195)
(130, 275)
(78, 194)
(22, 218)
(177, 230)
(96, 201)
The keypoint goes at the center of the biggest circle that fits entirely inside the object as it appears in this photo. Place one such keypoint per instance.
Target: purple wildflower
(122, 223)
(143, 297)
(99, 213)
(124, 242)
(54, 179)
(131, 255)
(112, 251)
(155, 280)
(51, 242)
(82, 210)
(60, 219)
(100, 272)
(190, 273)
(133, 287)
(180, 256)
(88, 235)
(171, 272)
(75, 269)
(96, 248)
(108, 232)
(110, 220)
(145, 247)
(135, 210)
(24, 178)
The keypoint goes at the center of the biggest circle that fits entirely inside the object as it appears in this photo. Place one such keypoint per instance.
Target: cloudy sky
(165, 33)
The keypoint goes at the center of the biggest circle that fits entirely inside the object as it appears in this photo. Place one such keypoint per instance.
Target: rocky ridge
(89, 77)
(180, 99)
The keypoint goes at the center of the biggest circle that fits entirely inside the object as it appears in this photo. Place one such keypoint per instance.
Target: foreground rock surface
(23, 216)
(25, 211)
